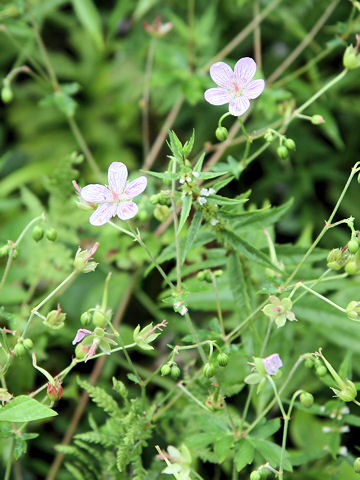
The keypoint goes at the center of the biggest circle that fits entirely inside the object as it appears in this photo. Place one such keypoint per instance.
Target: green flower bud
(255, 475)
(51, 234)
(353, 310)
(55, 391)
(209, 370)
(4, 250)
(222, 359)
(321, 371)
(99, 332)
(165, 369)
(81, 351)
(358, 178)
(28, 343)
(282, 152)
(317, 120)
(99, 318)
(55, 318)
(309, 362)
(350, 59)
(307, 399)
(221, 133)
(154, 199)
(164, 198)
(269, 136)
(86, 318)
(37, 233)
(6, 94)
(353, 245)
(352, 267)
(175, 371)
(162, 212)
(19, 350)
(348, 392)
(357, 465)
(337, 258)
(289, 143)
(82, 261)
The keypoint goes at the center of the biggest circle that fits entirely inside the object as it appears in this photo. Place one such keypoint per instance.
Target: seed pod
(222, 359)
(321, 370)
(37, 233)
(309, 362)
(353, 245)
(289, 143)
(165, 369)
(86, 318)
(282, 152)
(28, 343)
(307, 399)
(99, 318)
(19, 350)
(208, 370)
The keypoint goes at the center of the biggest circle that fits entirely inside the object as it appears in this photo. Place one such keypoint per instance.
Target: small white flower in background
(206, 192)
(202, 200)
(272, 364)
(180, 307)
(326, 429)
(234, 87)
(214, 222)
(343, 451)
(196, 174)
(115, 198)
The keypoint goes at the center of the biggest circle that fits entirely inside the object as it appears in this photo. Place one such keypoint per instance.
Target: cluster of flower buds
(162, 203)
(207, 275)
(82, 259)
(145, 336)
(55, 318)
(262, 367)
(170, 368)
(5, 250)
(347, 257)
(279, 310)
(38, 233)
(285, 143)
(90, 341)
(22, 345)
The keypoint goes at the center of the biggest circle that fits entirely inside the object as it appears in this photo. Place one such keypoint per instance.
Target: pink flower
(114, 199)
(272, 364)
(235, 87)
(80, 334)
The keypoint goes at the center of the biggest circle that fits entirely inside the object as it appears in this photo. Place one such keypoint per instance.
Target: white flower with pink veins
(114, 199)
(234, 87)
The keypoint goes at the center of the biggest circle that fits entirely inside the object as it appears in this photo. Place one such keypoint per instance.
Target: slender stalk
(235, 331)
(218, 304)
(325, 299)
(190, 395)
(176, 228)
(56, 290)
(146, 97)
(9, 464)
(257, 37)
(354, 170)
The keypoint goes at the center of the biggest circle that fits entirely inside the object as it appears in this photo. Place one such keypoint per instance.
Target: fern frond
(94, 452)
(95, 437)
(101, 398)
(75, 472)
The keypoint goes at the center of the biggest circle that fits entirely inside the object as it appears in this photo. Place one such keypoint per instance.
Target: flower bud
(215, 401)
(317, 120)
(255, 475)
(6, 93)
(99, 318)
(154, 199)
(353, 310)
(348, 392)
(28, 343)
(161, 213)
(165, 369)
(37, 233)
(82, 261)
(337, 258)
(221, 133)
(350, 59)
(357, 465)
(306, 399)
(282, 151)
(353, 245)
(321, 371)
(15, 253)
(55, 391)
(51, 234)
(209, 370)
(86, 318)
(81, 351)
(309, 362)
(19, 350)
(4, 250)
(351, 267)
(222, 359)
(290, 144)
(269, 136)
(175, 371)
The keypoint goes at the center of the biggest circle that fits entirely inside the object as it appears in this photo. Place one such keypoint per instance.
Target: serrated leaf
(25, 409)
(262, 217)
(271, 452)
(88, 15)
(264, 431)
(223, 446)
(191, 234)
(248, 250)
(185, 211)
(244, 454)
(237, 282)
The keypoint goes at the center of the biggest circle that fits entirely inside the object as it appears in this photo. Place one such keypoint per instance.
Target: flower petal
(222, 74)
(80, 334)
(103, 214)
(117, 176)
(254, 89)
(239, 106)
(96, 193)
(137, 186)
(244, 70)
(127, 210)
(272, 364)
(217, 96)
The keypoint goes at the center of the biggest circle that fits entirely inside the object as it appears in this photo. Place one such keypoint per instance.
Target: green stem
(277, 396)
(333, 304)
(15, 245)
(243, 129)
(354, 170)
(234, 333)
(218, 304)
(176, 226)
(193, 398)
(223, 118)
(9, 464)
(195, 337)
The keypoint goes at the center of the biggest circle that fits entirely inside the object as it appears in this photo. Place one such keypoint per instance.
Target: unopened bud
(55, 318)
(317, 120)
(289, 143)
(353, 245)
(353, 310)
(357, 465)
(321, 371)
(37, 233)
(175, 371)
(351, 59)
(255, 475)
(51, 234)
(165, 369)
(28, 343)
(282, 152)
(5, 250)
(86, 318)
(6, 93)
(161, 213)
(347, 393)
(55, 391)
(222, 359)
(19, 350)
(209, 370)
(352, 267)
(309, 362)
(221, 133)
(307, 399)
(337, 258)
(99, 318)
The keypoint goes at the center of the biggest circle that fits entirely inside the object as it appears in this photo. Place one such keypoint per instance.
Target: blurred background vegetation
(99, 51)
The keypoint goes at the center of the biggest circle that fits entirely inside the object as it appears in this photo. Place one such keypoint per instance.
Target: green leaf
(191, 234)
(237, 282)
(268, 429)
(244, 454)
(89, 17)
(25, 409)
(262, 217)
(188, 145)
(248, 250)
(272, 453)
(199, 163)
(164, 176)
(185, 211)
(223, 446)
(175, 145)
